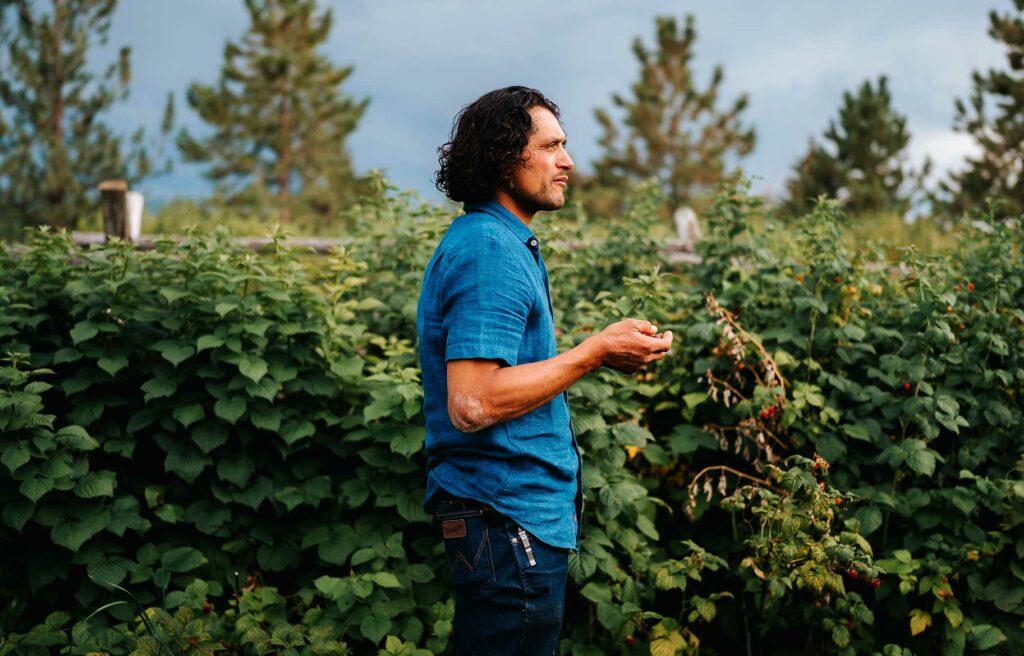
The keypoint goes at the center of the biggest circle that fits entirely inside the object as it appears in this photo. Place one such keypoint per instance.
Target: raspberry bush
(204, 449)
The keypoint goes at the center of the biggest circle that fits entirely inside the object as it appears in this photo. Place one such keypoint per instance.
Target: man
(504, 470)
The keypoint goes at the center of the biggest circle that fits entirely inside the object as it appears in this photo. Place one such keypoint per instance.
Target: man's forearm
(482, 393)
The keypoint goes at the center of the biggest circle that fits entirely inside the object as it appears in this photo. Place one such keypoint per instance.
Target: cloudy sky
(419, 61)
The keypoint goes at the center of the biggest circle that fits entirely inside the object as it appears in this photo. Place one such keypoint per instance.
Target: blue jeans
(509, 592)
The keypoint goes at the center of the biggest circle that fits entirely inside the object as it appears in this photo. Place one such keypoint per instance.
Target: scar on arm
(467, 413)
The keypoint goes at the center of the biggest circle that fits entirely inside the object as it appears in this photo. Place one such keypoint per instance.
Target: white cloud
(947, 149)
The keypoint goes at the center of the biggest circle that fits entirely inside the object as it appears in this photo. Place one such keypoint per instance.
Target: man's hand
(482, 393)
(631, 344)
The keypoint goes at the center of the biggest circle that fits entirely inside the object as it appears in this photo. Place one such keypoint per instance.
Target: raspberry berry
(630, 640)
(875, 583)
(839, 501)
(854, 574)
(970, 286)
(906, 386)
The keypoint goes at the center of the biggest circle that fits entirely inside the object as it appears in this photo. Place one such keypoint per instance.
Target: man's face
(542, 175)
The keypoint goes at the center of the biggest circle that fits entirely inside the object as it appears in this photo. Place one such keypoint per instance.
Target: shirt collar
(497, 210)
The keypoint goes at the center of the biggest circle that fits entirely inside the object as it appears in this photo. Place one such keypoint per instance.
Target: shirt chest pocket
(539, 337)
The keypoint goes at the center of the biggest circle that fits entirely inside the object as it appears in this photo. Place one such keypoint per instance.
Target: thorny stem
(730, 470)
(723, 429)
(728, 317)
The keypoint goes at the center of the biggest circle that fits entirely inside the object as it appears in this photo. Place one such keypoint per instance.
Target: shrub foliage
(204, 449)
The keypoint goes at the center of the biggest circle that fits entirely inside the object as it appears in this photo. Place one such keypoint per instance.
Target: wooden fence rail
(673, 249)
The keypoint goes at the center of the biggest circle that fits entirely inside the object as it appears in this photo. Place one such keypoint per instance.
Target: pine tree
(672, 131)
(863, 162)
(994, 118)
(280, 120)
(54, 146)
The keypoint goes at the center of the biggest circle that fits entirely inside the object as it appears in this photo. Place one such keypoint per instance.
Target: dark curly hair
(486, 143)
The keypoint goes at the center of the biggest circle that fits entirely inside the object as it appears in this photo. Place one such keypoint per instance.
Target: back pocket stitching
(476, 559)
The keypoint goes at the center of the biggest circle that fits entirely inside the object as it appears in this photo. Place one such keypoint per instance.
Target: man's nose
(566, 161)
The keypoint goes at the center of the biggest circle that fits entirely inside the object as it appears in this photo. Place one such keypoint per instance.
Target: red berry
(821, 484)
(839, 501)
(849, 625)
(906, 386)
(970, 286)
(837, 279)
(630, 640)
(875, 583)
(854, 574)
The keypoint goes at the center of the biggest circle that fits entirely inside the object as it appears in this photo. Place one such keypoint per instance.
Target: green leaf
(175, 352)
(419, 573)
(230, 409)
(646, 526)
(142, 419)
(76, 437)
(83, 332)
(208, 515)
(112, 364)
(189, 414)
(110, 571)
(342, 542)
(986, 636)
(953, 615)
(921, 461)
(95, 484)
(236, 468)
(408, 441)
(252, 367)
(158, 387)
(857, 432)
(686, 439)
(14, 456)
(870, 519)
(67, 354)
(705, 607)
(295, 429)
(209, 435)
(631, 434)
(72, 533)
(208, 341)
(172, 293)
(830, 447)
(34, 488)
(384, 579)
(374, 627)
(585, 422)
(266, 418)
(16, 513)
(182, 559)
(278, 557)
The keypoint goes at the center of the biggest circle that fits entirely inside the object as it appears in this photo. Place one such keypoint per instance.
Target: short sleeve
(485, 302)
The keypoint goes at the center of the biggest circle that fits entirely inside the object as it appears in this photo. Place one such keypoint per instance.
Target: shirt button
(533, 242)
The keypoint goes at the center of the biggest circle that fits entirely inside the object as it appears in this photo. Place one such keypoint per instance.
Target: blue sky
(420, 61)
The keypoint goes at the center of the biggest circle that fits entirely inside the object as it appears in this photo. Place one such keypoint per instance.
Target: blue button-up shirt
(485, 296)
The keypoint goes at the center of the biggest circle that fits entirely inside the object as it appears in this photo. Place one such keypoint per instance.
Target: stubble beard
(538, 202)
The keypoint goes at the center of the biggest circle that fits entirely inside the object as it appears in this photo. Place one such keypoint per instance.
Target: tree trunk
(284, 163)
(58, 157)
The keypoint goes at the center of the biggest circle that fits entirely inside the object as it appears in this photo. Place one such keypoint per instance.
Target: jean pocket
(467, 543)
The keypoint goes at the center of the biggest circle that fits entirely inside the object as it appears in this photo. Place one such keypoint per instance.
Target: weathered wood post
(115, 209)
